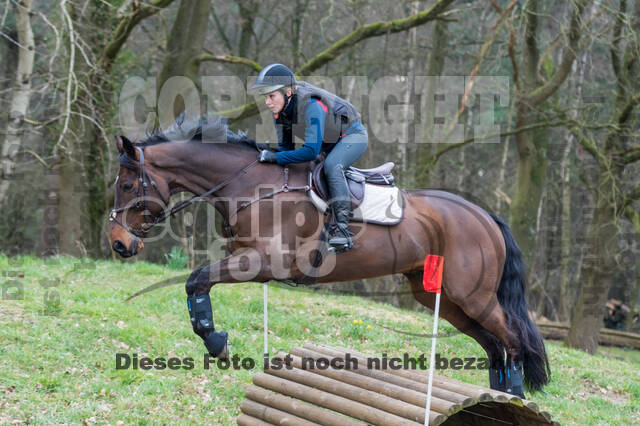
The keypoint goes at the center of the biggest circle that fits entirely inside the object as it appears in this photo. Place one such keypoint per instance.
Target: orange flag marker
(432, 282)
(432, 277)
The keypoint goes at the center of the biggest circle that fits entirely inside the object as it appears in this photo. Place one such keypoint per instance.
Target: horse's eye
(127, 187)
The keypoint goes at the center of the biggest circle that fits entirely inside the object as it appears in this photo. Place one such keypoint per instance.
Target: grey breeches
(345, 153)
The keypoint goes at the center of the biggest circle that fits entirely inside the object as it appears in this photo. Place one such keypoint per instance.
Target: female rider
(327, 124)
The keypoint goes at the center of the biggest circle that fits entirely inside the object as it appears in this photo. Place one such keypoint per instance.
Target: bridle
(141, 203)
(141, 198)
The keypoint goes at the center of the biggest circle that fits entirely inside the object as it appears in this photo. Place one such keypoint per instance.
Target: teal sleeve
(314, 117)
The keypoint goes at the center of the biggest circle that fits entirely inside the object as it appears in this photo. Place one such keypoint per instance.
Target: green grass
(59, 366)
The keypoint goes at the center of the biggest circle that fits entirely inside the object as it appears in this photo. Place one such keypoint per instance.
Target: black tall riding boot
(339, 234)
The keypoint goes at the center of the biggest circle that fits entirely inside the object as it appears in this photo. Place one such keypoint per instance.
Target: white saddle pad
(381, 205)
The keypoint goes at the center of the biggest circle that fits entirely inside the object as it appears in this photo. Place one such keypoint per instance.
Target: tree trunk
(435, 66)
(81, 169)
(19, 98)
(566, 235)
(185, 42)
(82, 198)
(588, 313)
(296, 32)
(502, 200)
(248, 11)
(409, 95)
(532, 145)
(586, 318)
(530, 178)
(634, 300)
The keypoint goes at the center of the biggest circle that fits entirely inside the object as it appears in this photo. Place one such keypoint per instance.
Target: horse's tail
(511, 295)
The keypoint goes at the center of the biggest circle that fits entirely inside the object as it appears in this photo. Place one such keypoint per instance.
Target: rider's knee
(333, 168)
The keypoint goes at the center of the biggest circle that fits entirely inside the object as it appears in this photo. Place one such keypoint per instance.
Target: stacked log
(299, 395)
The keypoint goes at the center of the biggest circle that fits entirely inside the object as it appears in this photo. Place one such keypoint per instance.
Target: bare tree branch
(373, 30)
(484, 50)
(361, 33)
(633, 217)
(124, 28)
(220, 29)
(36, 156)
(615, 43)
(5, 13)
(562, 35)
(586, 143)
(627, 109)
(542, 93)
(450, 146)
(632, 195)
(230, 59)
(70, 77)
(632, 154)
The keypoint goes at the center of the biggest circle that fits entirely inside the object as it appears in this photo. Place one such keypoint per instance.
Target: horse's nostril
(118, 247)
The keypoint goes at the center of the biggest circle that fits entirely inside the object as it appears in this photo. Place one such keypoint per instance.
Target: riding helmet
(273, 77)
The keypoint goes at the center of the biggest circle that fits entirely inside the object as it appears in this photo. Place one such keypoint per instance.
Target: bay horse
(271, 225)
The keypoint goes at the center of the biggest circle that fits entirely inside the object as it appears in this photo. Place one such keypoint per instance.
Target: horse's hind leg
(495, 321)
(460, 320)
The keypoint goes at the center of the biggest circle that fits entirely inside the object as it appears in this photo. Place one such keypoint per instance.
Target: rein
(284, 188)
(140, 204)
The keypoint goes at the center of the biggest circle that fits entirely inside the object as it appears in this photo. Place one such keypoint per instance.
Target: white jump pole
(266, 325)
(432, 358)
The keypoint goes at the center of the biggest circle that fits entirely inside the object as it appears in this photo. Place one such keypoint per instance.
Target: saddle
(356, 180)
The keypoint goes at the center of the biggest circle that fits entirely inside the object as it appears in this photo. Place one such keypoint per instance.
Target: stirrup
(331, 249)
(339, 239)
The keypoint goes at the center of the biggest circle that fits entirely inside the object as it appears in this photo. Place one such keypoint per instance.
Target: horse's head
(141, 195)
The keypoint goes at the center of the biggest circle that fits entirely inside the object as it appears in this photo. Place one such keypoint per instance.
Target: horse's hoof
(224, 354)
(216, 343)
(517, 392)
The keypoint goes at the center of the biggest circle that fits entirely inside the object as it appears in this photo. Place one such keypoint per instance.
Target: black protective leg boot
(514, 379)
(202, 323)
(339, 234)
(496, 379)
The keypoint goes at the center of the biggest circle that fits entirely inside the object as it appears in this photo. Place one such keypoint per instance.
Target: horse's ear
(118, 140)
(125, 145)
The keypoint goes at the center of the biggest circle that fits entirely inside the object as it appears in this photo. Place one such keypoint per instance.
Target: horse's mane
(212, 128)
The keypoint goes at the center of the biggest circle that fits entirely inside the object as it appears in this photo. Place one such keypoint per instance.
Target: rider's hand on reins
(266, 156)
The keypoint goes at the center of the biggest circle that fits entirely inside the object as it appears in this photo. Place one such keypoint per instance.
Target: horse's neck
(198, 167)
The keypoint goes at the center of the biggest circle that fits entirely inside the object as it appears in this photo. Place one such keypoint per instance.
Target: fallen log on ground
(559, 331)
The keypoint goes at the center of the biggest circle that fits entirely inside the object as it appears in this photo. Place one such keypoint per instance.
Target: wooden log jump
(305, 394)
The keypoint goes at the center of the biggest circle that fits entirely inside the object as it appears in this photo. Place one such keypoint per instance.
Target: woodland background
(565, 172)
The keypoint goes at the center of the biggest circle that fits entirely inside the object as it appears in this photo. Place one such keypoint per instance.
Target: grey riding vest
(340, 114)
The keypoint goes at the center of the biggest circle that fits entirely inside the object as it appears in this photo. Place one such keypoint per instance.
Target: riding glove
(266, 156)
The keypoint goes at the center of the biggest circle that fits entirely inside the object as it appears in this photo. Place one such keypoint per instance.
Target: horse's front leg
(232, 269)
